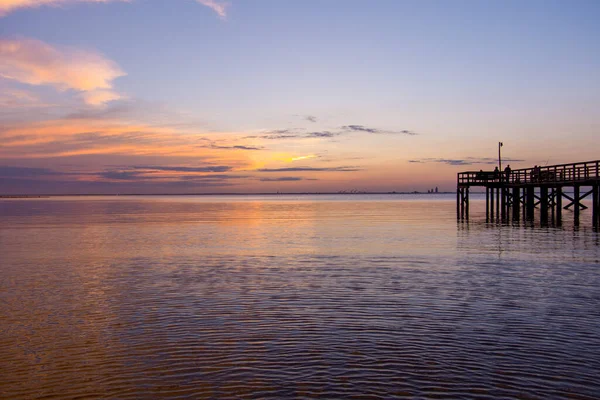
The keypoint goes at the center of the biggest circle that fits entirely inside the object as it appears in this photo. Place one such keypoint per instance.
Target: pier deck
(529, 188)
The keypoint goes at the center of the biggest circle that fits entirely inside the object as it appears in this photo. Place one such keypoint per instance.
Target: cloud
(283, 134)
(212, 178)
(303, 157)
(462, 161)
(237, 147)
(8, 6)
(310, 118)
(310, 169)
(324, 134)
(99, 97)
(362, 128)
(282, 179)
(86, 137)
(219, 7)
(212, 168)
(134, 175)
(275, 135)
(26, 172)
(37, 63)
(14, 100)
(122, 175)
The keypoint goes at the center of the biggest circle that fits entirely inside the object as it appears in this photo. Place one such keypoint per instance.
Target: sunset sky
(199, 96)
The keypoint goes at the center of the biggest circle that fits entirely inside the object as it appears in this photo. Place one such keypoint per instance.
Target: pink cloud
(36, 63)
(8, 6)
(217, 6)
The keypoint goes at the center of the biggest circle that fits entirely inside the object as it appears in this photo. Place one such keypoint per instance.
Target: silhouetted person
(496, 173)
(507, 171)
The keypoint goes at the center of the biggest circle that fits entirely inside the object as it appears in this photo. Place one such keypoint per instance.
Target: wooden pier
(514, 196)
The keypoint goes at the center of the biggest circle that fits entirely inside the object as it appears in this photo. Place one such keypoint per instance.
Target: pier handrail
(555, 174)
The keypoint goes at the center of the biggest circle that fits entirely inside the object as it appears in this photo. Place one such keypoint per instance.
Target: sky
(254, 96)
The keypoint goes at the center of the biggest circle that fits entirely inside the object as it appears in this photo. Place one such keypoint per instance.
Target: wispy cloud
(37, 63)
(220, 7)
(235, 147)
(462, 161)
(284, 179)
(13, 100)
(323, 134)
(276, 135)
(27, 172)
(311, 169)
(299, 133)
(362, 128)
(211, 168)
(86, 137)
(283, 134)
(8, 6)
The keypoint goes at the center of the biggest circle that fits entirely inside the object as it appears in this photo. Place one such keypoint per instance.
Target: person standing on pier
(496, 173)
(507, 171)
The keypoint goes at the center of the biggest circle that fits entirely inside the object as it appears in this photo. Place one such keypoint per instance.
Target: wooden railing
(553, 174)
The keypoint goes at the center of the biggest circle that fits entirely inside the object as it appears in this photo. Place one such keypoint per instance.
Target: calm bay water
(292, 297)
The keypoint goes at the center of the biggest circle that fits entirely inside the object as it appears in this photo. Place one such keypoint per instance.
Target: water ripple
(112, 311)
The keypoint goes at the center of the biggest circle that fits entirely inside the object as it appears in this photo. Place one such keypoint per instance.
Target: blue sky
(457, 76)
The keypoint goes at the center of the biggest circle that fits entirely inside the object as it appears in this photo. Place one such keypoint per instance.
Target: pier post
(595, 206)
(487, 204)
(530, 202)
(558, 201)
(458, 203)
(467, 203)
(524, 204)
(502, 203)
(497, 203)
(576, 209)
(516, 203)
(492, 204)
(544, 205)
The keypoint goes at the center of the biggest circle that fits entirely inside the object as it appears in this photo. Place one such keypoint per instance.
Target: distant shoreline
(27, 196)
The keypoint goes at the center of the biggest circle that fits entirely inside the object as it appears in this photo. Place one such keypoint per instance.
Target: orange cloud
(99, 97)
(86, 137)
(37, 63)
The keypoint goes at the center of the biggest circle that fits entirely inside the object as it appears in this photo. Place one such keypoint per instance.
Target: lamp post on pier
(499, 156)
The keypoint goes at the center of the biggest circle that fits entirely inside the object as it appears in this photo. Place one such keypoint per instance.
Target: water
(292, 297)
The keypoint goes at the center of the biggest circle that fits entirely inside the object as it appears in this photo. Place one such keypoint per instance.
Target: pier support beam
(458, 203)
(503, 204)
(530, 200)
(558, 201)
(491, 204)
(595, 206)
(497, 203)
(576, 205)
(516, 204)
(467, 203)
(462, 203)
(544, 205)
(487, 204)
